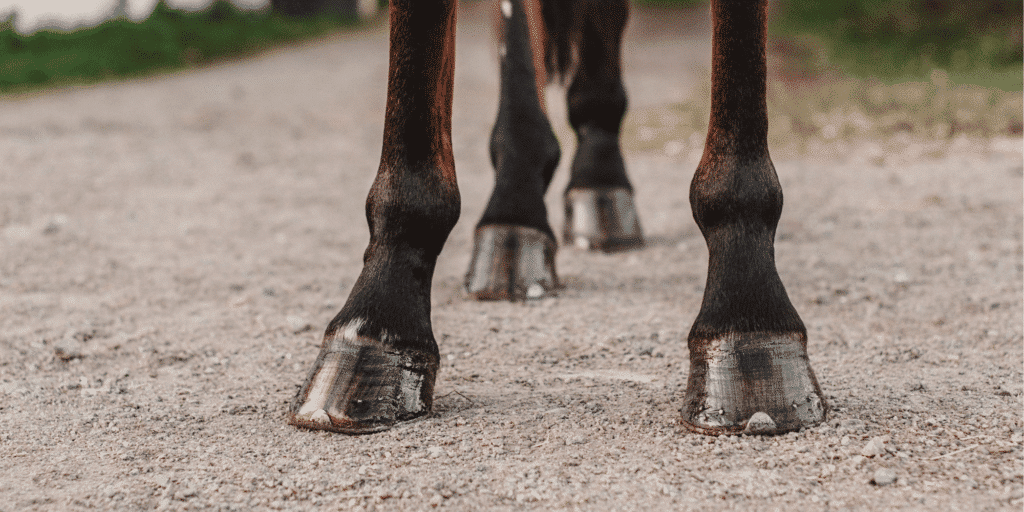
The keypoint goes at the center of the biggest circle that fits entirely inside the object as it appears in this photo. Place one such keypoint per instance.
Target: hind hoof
(357, 386)
(752, 383)
(511, 263)
(601, 219)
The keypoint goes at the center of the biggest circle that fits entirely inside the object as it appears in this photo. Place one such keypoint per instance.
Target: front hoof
(601, 219)
(357, 386)
(752, 383)
(511, 263)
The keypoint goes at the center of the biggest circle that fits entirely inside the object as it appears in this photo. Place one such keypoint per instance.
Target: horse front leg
(378, 360)
(749, 369)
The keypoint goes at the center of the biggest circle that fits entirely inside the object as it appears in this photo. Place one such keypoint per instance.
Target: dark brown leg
(378, 360)
(748, 347)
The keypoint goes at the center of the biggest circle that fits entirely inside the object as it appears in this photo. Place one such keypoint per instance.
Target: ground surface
(171, 249)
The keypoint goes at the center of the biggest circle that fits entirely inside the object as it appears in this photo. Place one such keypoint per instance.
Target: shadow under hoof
(511, 263)
(752, 383)
(601, 219)
(357, 386)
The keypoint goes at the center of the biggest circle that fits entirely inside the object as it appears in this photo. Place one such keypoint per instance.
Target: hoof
(601, 219)
(511, 263)
(358, 386)
(752, 383)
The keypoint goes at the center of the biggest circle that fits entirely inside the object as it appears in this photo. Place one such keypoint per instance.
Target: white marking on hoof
(320, 417)
(760, 423)
(506, 8)
(535, 291)
(323, 381)
(582, 243)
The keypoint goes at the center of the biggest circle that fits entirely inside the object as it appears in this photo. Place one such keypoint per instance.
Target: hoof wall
(359, 387)
(752, 383)
(601, 219)
(511, 263)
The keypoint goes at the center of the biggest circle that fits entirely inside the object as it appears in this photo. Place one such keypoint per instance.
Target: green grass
(975, 42)
(169, 39)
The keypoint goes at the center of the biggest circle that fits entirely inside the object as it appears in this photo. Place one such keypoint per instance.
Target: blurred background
(933, 68)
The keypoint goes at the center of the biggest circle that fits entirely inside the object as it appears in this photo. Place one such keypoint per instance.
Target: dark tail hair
(569, 21)
(563, 34)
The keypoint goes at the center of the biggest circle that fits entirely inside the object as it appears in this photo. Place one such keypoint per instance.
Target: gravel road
(171, 249)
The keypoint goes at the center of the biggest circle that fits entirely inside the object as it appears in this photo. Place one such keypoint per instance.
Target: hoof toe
(358, 386)
(752, 383)
(601, 219)
(511, 263)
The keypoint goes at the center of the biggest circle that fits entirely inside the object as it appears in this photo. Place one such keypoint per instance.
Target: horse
(749, 370)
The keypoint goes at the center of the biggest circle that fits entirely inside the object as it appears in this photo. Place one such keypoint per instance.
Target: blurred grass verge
(975, 42)
(894, 77)
(832, 115)
(169, 39)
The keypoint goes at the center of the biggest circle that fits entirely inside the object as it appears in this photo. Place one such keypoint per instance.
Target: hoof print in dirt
(511, 263)
(357, 386)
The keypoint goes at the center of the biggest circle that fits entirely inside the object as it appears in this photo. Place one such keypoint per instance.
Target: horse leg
(749, 369)
(514, 247)
(378, 359)
(599, 209)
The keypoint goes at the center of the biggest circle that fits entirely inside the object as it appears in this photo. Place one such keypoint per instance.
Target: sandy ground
(171, 249)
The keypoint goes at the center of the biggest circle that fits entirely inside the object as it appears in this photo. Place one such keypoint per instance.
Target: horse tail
(563, 32)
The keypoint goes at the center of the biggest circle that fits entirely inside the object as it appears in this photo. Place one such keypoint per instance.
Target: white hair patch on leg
(351, 330)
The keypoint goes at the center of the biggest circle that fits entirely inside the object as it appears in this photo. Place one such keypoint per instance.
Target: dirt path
(171, 249)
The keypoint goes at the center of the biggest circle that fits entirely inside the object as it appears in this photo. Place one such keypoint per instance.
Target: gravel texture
(171, 249)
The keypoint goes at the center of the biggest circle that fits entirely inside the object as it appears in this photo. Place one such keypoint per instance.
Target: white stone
(874, 447)
(760, 422)
(884, 476)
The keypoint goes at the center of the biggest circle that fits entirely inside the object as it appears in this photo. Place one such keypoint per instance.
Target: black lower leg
(514, 246)
(599, 209)
(597, 98)
(523, 147)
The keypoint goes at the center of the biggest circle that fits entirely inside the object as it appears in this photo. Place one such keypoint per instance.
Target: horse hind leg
(599, 210)
(514, 246)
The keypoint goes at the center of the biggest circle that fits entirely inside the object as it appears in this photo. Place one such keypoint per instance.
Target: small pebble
(884, 476)
(67, 349)
(874, 447)
(760, 422)
(297, 324)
